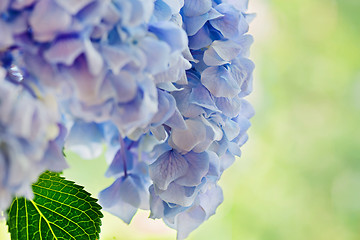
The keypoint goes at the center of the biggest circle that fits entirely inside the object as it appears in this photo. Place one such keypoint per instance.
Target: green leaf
(60, 210)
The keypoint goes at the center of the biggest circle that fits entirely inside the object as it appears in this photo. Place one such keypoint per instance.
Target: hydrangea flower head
(31, 139)
(160, 82)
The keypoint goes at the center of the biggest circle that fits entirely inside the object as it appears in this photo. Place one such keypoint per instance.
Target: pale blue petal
(166, 108)
(230, 107)
(73, 7)
(185, 107)
(196, 7)
(116, 167)
(116, 57)
(162, 11)
(175, 5)
(211, 199)
(47, 19)
(123, 210)
(122, 86)
(176, 121)
(231, 129)
(198, 168)
(214, 165)
(167, 168)
(194, 24)
(202, 97)
(156, 205)
(189, 221)
(221, 52)
(220, 81)
(64, 51)
(157, 54)
(233, 24)
(201, 39)
(226, 160)
(177, 194)
(170, 33)
(186, 140)
(241, 70)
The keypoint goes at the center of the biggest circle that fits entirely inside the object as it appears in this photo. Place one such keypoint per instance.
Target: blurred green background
(299, 176)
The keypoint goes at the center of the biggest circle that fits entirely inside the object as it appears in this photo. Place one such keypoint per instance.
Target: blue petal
(175, 5)
(189, 221)
(156, 205)
(196, 7)
(64, 51)
(220, 82)
(186, 140)
(211, 199)
(116, 167)
(176, 121)
(73, 7)
(177, 194)
(221, 52)
(202, 97)
(230, 107)
(167, 168)
(47, 19)
(233, 24)
(198, 168)
(124, 197)
(186, 108)
(166, 108)
(122, 87)
(116, 57)
(201, 39)
(162, 11)
(214, 165)
(171, 34)
(157, 54)
(231, 129)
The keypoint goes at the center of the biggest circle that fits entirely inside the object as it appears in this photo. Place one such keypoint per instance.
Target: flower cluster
(160, 82)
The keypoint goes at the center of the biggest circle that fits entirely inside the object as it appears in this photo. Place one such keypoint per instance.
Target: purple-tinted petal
(117, 166)
(186, 140)
(233, 24)
(202, 97)
(221, 52)
(73, 7)
(47, 19)
(201, 39)
(230, 107)
(157, 54)
(211, 199)
(198, 167)
(188, 221)
(64, 51)
(220, 81)
(166, 108)
(176, 121)
(167, 168)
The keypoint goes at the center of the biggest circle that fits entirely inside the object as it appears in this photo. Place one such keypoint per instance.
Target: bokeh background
(299, 176)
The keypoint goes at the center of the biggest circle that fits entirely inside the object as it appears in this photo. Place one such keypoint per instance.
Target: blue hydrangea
(31, 139)
(161, 83)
